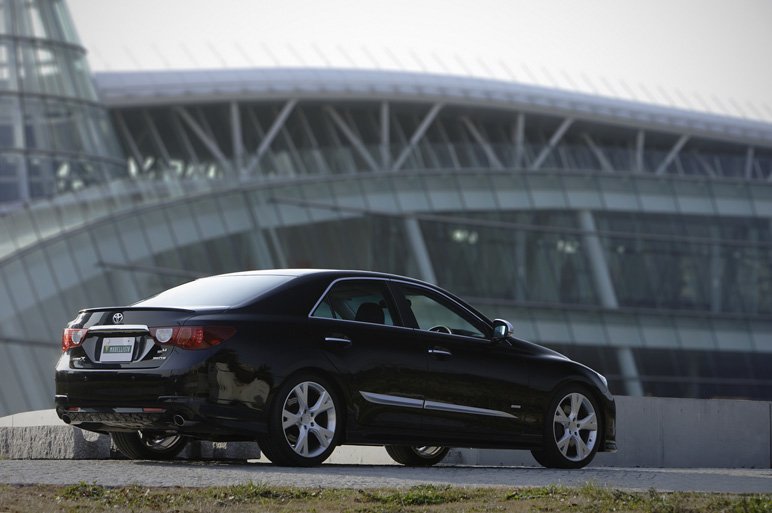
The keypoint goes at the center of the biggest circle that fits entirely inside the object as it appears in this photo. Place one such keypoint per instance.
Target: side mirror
(502, 330)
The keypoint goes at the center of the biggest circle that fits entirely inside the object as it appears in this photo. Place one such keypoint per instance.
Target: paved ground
(150, 473)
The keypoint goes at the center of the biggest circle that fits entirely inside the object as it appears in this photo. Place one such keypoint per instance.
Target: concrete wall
(664, 432)
(651, 432)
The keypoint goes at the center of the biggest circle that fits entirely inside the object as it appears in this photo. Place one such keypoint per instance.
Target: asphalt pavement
(199, 473)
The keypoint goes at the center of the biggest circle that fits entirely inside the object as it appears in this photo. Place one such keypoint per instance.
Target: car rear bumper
(190, 416)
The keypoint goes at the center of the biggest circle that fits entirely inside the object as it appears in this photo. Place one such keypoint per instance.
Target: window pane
(353, 300)
(432, 315)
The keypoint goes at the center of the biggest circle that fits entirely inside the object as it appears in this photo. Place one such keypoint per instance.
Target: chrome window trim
(385, 280)
(407, 402)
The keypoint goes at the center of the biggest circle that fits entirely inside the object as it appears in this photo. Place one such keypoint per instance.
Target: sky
(706, 55)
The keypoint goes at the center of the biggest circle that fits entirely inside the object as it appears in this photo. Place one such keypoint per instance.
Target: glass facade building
(634, 238)
(55, 136)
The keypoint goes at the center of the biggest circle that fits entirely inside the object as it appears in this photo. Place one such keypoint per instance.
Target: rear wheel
(424, 456)
(571, 430)
(146, 445)
(305, 423)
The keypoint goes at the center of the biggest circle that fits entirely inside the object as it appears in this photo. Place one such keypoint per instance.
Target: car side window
(356, 300)
(435, 313)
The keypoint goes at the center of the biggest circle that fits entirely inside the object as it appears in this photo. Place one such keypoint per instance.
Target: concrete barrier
(651, 432)
(40, 435)
(677, 433)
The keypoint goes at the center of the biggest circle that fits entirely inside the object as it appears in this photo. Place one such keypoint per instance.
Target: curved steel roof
(122, 89)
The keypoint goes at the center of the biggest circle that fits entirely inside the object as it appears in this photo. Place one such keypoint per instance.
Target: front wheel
(417, 456)
(571, 430)
(305, 423)
(146, 445)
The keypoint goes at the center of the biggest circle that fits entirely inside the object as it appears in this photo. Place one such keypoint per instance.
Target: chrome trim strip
(115, 328)
(392, 400)
(406, 402)
(457, 408)
(440, 352)
(337, 340)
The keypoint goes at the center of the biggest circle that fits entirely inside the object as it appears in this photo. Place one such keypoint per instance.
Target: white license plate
(117, 349)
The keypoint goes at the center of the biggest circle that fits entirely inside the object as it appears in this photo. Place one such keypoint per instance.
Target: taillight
(72, 337)
(192, 337)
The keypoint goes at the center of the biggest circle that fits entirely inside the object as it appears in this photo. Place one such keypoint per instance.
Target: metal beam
(420, 252)
(605, 288)
(179, 130)
(672, 154)
(493, 159)
(709, 169)
(133, 148)
(519, 139)
(352, 138)
(749, 156)
(237, 139)
(451, 147)
(554, 140)
(316, 152)
(640, 143)
(597, 260)
(417, 135)
(385, 136)
(604, 162)
(156, 136)
(277, 125)
(210, 144)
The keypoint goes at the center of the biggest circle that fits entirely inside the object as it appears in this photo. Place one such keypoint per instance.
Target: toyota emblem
(118, 318)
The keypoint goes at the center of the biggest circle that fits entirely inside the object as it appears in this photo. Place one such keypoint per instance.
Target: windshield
(216, 291)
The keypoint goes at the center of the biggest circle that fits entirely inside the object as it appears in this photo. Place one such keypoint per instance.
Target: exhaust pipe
(181, 421)
(66, 419)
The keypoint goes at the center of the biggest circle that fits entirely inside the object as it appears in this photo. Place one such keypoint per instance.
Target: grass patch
(256, 497)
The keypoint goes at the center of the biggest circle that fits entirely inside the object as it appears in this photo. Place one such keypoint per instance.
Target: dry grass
(87, 498)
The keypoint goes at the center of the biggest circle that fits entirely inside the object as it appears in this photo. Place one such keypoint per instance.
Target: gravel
(197, 473)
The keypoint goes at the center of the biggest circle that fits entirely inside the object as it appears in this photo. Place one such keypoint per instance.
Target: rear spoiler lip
(136, 308)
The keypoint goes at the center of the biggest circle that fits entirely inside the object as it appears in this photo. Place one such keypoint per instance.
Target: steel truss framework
(308, 138)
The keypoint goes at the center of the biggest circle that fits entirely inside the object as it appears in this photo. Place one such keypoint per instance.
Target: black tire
(573, 426)
(315, 433)
(139, 445)
(416, 456)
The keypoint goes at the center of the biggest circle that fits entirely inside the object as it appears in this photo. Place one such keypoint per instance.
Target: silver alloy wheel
(575, 427)
(428, 451)
(308, 419)
(158, 442)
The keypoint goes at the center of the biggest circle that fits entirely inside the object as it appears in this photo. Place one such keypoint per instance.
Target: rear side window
(356, 300)
(217, 291)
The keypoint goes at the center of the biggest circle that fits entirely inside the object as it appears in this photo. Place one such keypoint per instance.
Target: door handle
(337, 342)
(439, 352)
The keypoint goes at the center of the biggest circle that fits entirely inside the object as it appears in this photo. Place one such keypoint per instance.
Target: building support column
(420, 252)
(605, 287)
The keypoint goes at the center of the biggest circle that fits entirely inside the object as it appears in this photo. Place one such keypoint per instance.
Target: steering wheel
(441, 329)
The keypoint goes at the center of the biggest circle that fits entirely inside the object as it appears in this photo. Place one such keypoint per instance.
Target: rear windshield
(222, 291)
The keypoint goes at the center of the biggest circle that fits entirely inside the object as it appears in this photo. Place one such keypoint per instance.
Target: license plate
(117, 349)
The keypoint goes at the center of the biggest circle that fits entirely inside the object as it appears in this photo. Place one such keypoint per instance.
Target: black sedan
(305, 360)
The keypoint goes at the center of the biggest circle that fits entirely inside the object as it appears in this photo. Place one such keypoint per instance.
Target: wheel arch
(589, 387)
(328, 376)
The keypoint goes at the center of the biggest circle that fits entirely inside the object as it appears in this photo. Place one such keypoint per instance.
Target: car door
(474, 389)
(356, 320)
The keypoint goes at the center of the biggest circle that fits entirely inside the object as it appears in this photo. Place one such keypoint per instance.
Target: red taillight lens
(72, 337)
(193, 337)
